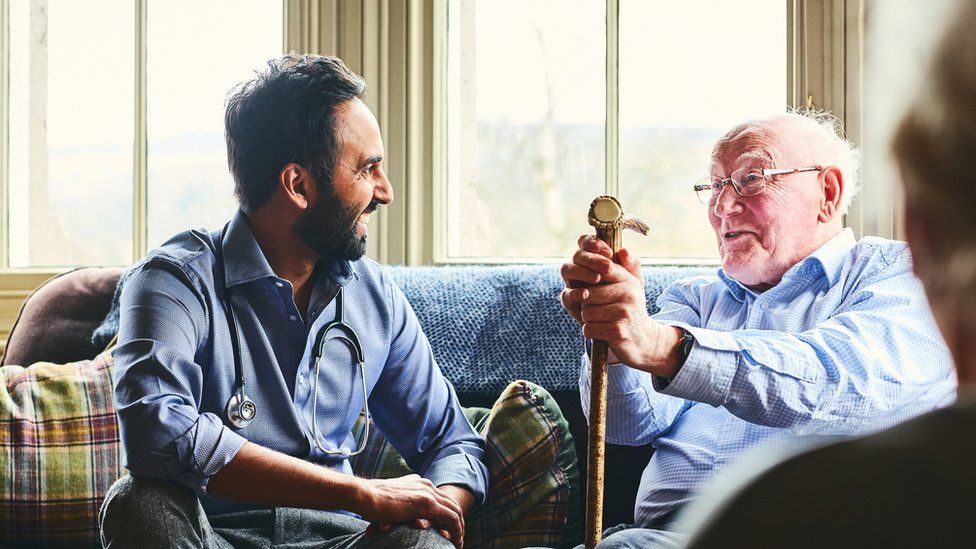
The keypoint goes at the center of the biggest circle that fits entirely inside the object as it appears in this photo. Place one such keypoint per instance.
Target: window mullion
(140, 201)
(612, 148)
(4, 125)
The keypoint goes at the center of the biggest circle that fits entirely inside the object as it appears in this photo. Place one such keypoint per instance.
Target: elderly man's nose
(727, 200)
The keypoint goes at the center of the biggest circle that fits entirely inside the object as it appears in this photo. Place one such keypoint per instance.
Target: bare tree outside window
(526, 122)
(528, 117)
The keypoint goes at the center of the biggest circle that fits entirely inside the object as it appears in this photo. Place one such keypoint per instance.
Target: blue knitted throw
(489, 326)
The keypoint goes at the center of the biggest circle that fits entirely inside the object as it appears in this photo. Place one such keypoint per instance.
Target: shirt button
(280, 284)
(292, 318)
(765, 306)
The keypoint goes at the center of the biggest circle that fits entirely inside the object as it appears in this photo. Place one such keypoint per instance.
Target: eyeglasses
(745, 181)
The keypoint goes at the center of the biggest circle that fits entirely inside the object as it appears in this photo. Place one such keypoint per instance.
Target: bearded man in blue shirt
(225, 417)
(803, 331)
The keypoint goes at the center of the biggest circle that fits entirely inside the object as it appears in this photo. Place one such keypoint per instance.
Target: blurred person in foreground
(913, 485)
(804, 331)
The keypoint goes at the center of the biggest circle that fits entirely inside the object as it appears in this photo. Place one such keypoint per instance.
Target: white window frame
(823, 68)
(17, 283)
(140, 205)
(400, 48)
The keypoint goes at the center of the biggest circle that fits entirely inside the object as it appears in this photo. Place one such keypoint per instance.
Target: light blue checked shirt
(844, 344)
(175, 368)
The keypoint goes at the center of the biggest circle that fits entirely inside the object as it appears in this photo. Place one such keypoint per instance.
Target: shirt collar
(737, 290)
(244, 261)
(829, 258)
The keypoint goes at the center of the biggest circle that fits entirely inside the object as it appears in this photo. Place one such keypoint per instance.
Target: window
(539, 122)
(69, 144)
(114, 122)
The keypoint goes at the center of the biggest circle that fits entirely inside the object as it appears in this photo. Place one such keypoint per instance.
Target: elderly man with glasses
(803, 331)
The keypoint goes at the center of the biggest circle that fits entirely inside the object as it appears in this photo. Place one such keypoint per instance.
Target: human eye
(366, 170)
(751, 177)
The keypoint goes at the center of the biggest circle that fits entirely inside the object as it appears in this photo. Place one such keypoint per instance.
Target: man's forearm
(464, 498)
(265, 477)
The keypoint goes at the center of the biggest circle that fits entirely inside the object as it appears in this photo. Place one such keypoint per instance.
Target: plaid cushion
(533, 487)
(59, 454)
(59, 451)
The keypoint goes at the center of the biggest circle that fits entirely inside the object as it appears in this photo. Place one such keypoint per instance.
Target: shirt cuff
(208, 446)
(707, 374)
(462, 470)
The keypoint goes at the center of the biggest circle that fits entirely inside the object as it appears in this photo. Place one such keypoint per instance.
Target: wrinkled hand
(607, 300)
(412, 499)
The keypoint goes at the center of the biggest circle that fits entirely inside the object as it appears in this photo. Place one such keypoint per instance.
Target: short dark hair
(285, 114)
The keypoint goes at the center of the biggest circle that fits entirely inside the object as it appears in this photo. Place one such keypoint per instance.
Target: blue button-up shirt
(844, 344)
(175, 368)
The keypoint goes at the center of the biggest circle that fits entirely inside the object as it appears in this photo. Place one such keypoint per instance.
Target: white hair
(848, 157)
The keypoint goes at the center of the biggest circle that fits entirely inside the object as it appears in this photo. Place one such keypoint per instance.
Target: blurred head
(935, 147)
(286, 114)
(760, 237)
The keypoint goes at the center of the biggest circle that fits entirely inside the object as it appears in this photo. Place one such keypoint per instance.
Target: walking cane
(609, 218)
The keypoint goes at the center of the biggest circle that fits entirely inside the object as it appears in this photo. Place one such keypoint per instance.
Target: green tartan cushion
(533, 486)
(59, 451)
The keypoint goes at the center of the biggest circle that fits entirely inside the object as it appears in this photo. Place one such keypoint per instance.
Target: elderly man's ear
(832, 181)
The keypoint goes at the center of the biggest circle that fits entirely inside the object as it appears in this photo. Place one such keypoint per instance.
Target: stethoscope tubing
(241, 410)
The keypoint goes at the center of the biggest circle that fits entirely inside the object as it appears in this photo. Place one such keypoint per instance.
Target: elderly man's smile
(737, 236)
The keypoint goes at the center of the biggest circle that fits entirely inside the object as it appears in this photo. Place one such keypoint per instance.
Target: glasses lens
(705, 190)
(749, 182)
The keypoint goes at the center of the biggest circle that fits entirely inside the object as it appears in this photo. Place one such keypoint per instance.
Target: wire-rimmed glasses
(745, 181)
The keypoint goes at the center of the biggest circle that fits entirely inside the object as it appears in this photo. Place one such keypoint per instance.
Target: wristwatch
(684, 347)
(685, 344)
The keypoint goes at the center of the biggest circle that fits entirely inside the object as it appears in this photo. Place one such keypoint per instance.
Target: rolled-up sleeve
(418, 410)
(158, 383)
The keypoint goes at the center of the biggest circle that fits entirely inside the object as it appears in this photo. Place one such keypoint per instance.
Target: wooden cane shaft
(598, 424)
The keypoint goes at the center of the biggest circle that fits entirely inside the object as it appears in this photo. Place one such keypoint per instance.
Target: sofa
(488, 327)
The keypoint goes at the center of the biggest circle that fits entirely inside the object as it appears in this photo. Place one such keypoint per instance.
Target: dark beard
(329, 228)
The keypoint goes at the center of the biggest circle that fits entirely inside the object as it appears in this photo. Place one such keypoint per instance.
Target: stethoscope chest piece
(240, 410)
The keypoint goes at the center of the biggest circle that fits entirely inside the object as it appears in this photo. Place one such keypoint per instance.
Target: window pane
(689, 71)
(71, 123)
(197, 52)
(526, 123)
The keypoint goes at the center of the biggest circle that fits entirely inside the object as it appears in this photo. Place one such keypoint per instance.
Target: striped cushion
(59, 451)
(533, 486)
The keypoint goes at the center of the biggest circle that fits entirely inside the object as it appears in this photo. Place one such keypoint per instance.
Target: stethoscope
(241, 410)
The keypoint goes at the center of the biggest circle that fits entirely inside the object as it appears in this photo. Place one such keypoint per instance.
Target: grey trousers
(628, 536)
(150, 514)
